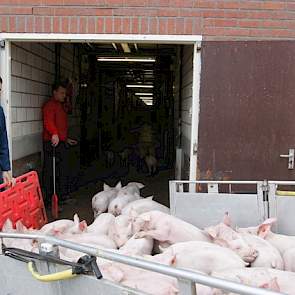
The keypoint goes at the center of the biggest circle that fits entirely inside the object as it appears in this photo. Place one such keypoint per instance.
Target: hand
(54, 140)
(72, 141)
(8, 179)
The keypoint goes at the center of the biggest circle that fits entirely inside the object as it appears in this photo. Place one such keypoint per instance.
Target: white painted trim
(160, 39)
(195, 110)
(5, 72)
(102, 38)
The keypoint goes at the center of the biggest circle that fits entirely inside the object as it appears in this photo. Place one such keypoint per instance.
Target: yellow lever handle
(63, 275)
(285, 193)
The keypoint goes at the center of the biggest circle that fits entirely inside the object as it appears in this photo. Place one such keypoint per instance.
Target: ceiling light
(149, 103)
(143, 93)
(130, 59)
(125, 47)
(139, 86)
(146, 98)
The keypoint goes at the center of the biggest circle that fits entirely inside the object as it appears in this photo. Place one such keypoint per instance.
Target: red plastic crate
(23, 202)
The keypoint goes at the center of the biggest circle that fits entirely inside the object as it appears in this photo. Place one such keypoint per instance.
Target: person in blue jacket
(5, 168)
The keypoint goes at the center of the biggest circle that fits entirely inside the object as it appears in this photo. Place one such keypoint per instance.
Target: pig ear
(173, 290)
(132, 213)
(173, 258)
(106, 187)
(119, 185)
(271, 285)
(83, 225)
(211, 231)
(7, 226)
(139, 185)
(243, 280)
(274, 285)
(169, 258)
(226, 219)
(265, 227)
(150, 198)
(146, 218)
(76, 219)
(20, 227)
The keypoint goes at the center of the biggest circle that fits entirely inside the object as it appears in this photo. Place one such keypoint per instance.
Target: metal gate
(203, 209)
(207, 208)
(15, 278)
(282, 206)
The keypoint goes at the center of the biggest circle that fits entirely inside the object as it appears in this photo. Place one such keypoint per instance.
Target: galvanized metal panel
(283, 208)
(15, 279)
(203, 209)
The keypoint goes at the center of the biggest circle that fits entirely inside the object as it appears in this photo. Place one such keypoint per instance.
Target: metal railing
(186, 279)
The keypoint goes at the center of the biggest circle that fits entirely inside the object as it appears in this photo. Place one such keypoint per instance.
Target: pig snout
(117, 210)
(251, 255)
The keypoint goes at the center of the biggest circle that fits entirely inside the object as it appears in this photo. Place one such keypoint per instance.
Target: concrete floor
(158, 186)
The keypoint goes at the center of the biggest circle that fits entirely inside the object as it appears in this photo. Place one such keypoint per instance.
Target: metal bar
(186, 287)
(172, 191)
(137, 262)
(131, 38)
(217, 181)
(282, 182)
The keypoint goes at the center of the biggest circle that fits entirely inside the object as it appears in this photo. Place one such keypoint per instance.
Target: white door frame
(5, 70)
(195, 111)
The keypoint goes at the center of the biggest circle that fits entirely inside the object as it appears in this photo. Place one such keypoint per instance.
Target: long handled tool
(54, 199)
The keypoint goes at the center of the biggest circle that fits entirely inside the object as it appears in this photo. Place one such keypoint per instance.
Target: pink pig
(281, 242)
(101, 224)
(101, 200)
(223, 235)
(200, 256)
(121, 230)
(146, 281)
(166, 228)
(63, 226)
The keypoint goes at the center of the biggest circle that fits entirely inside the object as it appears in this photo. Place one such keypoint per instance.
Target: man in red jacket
(55, 138)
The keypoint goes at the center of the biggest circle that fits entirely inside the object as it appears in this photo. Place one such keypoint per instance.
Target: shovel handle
(53, 167)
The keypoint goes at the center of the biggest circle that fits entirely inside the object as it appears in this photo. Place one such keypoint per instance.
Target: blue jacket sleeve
(4, 150)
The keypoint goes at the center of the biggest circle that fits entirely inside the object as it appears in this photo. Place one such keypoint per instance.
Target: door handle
(290, 157)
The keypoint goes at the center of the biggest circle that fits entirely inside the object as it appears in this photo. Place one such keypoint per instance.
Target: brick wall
(214, 19)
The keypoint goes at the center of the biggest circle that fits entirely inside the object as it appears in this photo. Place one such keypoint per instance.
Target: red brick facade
(214, 19)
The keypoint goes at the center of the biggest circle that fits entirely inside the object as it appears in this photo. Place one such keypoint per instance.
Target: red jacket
(55, 120)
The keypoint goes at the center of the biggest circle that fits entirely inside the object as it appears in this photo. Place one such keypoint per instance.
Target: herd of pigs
(126, 223)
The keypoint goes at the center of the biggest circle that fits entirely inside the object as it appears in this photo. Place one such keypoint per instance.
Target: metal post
(186, 287)
(265, 190)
